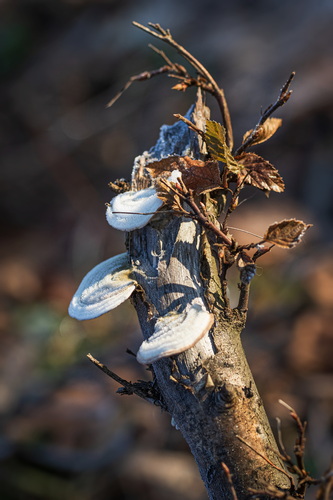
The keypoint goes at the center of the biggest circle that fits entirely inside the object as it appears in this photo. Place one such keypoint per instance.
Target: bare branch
(191, 125)
(143, 389)
(265, 458)
(243, 302)
(145, 75)
(300, 441)
(218, 93)
(283, 97)
(230, 481)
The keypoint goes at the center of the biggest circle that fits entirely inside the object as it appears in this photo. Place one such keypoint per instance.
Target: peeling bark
(208, 390)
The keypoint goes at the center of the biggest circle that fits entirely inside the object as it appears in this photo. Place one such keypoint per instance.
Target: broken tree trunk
(208, 390)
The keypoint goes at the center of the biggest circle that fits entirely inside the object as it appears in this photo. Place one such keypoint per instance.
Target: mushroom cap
(105, 287)
(176, 332)
(133, 209)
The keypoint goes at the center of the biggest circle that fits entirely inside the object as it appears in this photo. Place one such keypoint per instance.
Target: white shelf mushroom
(134, 209)
(105, 287)
(176, 332)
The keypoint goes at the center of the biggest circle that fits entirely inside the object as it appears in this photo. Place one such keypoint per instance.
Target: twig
(326, 486)
(283, 97)
(265, 458)
(230, 481)
(304, 478)
(218, 93)
(235, 194)
(163, 55)
(301, 439)
(187, 196)
(243, 302)
(142, 389)
(272, 492)
(285, 455)
(191, 125)
(145, 75)
(204, 221)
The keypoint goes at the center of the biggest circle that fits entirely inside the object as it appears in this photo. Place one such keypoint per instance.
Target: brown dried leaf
(201, 176)
(215, 138)
(264, 132)
(287, 233)
(166, 193)
(259, 173)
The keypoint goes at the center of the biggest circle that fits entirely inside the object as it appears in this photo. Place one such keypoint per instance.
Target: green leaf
(217, 146)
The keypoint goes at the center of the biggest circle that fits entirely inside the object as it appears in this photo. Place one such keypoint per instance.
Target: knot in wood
(222, 398)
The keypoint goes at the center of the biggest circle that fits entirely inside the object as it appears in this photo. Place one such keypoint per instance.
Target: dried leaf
(166, 193)
(215, 138)
(264, 132)
(201, 176)
(260, 173)
(287, 233)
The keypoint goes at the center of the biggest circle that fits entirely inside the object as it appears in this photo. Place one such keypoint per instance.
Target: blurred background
(65, 434)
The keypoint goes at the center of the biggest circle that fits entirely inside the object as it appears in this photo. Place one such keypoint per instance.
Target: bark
(208, 390)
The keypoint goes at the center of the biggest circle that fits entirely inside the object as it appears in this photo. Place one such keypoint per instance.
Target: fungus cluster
(111, 282)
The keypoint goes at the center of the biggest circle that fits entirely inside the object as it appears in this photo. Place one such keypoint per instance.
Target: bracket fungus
(176, 332)
(134, 209)
(105, 287)
(110, 283)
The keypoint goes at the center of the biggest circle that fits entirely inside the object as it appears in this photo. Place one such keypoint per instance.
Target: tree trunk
(208, 390)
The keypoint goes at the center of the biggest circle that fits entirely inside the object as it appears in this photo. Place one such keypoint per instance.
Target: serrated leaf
(166, 193)
(287, 233)
(264, 132)
(260, 173)
(215, 138)
(201, 176)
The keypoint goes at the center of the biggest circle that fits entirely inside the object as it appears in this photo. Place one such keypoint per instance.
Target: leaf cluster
(217, 179)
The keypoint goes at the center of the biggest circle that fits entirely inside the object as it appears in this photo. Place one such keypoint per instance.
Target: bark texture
(208, 390)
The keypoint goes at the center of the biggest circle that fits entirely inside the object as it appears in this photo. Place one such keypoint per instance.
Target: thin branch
(283, 97)
(326, 486)
(285, 455)
(190, 124)
(204, 221)
(300, 441)
(272, 492)
(234, 198)
(264, 458)
(142, 389)
(218, 93)
(243, 302)
(187, 196)
(230, 481)
(145, 75)
(163, 55)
